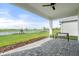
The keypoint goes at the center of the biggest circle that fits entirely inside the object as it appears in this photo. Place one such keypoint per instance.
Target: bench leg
(68, 37)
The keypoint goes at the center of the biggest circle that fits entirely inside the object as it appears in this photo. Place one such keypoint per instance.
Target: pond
(7, 33)
(14, 32)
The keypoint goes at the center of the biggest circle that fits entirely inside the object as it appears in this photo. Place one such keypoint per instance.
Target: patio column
(50, 28)
(78, 27)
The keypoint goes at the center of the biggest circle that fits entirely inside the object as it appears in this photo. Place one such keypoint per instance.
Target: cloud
(56, 24)
(22, 21)
(10, 23)
(7, 21)
(4, 12)
(18, 24)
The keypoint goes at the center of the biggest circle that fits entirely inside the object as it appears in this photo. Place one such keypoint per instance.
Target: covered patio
(49, 46)
(62, 10)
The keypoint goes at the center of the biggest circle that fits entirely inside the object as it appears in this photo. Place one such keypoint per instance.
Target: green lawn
(73, 37)
(16, 38)
(55, 31)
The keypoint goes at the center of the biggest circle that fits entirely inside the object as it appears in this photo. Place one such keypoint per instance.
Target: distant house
(70, 25)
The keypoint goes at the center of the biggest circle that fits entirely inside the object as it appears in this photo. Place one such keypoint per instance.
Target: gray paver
(54, 47)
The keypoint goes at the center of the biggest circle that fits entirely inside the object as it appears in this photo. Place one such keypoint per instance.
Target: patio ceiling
(62, 9)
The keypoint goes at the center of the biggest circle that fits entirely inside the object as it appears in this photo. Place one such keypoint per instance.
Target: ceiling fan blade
(53, 3)
(45, 5)
(53, 7)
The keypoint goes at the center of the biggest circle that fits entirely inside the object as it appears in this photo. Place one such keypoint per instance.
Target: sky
(12, 17)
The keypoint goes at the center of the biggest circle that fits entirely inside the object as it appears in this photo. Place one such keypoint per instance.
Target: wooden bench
(63, 35)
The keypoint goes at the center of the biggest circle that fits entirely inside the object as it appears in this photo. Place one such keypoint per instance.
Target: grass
(73, 37)
(55, 31)
(16, 38)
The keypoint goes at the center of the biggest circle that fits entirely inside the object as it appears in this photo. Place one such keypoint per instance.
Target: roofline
(68, 21)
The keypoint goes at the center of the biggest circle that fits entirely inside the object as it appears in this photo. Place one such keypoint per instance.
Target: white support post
(50, 28)
(61, 28)
(78, 27)
(78, 24)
